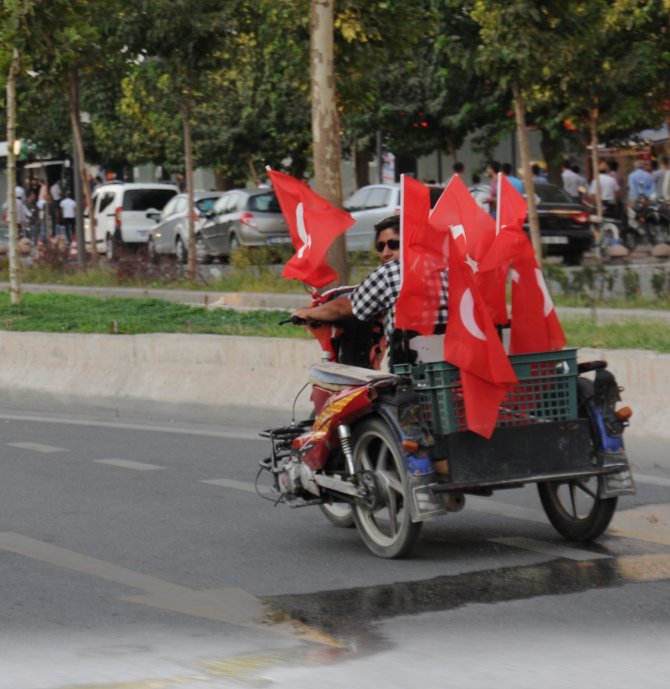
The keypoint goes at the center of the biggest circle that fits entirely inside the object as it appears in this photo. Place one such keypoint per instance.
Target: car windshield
(144, 199)
(264, 203)
(206, 205)
(550, 193)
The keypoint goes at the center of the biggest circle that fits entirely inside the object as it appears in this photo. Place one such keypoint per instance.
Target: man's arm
(335, 310)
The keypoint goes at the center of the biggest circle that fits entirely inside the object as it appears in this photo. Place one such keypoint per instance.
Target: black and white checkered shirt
(378, 294)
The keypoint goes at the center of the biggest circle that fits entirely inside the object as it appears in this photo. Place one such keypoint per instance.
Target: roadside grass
(64, 313)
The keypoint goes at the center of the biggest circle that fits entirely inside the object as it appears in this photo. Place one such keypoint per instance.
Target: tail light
(624, 413)
(248, 219)
(117, 218)
(581, 217)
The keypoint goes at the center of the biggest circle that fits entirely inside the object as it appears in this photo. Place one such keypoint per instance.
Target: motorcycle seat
(333, 376)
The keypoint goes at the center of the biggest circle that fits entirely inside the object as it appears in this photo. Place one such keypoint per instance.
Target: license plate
(279, 240)
(554, 240)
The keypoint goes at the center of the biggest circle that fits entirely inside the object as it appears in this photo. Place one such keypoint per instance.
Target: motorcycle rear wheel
(385, 527)
(574, 508)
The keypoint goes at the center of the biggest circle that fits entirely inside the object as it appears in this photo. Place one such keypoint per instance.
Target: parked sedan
(170, 236)
(565, 228)
(244, 217)
(369, 205)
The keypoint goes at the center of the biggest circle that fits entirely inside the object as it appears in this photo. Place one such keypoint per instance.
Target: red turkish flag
(535, 324)
(314, 224)
(457, 208)
(472, 344)
(475, 231)
(422, 261)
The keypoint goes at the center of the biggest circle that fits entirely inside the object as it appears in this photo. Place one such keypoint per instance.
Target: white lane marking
(238, 435)
(231, 483)
(230, 605)
(37, 447)
(548, 548)
(127, 464)
(651, 480)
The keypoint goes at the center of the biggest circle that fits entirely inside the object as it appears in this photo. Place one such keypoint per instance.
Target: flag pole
(498, 190)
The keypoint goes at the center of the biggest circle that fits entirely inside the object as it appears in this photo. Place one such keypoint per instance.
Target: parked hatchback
(124, 212)
(244, 217)
(373, 203)
(565, 228)
(170, 235)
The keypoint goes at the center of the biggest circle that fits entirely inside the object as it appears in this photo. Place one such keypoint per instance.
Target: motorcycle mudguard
(607, 433)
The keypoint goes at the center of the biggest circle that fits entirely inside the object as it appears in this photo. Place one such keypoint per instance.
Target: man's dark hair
(390, 223)
(458, 167)
(535, 169)
(506, 169)
(494, 165)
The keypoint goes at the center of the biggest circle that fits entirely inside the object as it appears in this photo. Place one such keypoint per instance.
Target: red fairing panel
(345, 407)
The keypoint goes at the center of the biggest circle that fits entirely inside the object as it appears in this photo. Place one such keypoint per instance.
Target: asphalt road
(139, 556)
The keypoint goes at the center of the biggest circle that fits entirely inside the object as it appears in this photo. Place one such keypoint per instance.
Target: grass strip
(63, 313)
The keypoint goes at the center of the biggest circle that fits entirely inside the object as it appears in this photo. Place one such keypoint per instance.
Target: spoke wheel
(573, 507)
(338, 514)
(386, 527)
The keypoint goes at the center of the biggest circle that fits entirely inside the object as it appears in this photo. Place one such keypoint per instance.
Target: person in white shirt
(68, 207)
(608, 189)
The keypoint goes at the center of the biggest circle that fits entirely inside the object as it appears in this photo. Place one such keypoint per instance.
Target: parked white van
(125, 213)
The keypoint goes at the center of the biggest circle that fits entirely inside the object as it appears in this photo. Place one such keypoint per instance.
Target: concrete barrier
(249, 380)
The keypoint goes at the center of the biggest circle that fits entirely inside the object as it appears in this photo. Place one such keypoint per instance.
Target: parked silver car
(369, 205)
(244, 217)
(170, 236)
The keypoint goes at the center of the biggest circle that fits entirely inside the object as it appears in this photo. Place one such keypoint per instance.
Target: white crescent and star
(305, 237)
(467, 314)
(548, 303)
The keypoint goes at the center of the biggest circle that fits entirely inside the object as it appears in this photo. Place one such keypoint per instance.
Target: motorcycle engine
(296, 478)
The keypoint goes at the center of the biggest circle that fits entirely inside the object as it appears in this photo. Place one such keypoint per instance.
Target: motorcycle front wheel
(385, 523)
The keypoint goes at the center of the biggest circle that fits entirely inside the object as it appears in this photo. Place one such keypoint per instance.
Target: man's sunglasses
(393, 244)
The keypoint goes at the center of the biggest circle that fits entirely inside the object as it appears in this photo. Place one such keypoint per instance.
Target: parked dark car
(244, 217)
(565, 228)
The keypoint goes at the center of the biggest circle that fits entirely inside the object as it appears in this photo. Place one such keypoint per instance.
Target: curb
(247, 380)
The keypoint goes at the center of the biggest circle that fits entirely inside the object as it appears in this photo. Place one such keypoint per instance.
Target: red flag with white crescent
(535, 324)
(314, 223)
(472, 344)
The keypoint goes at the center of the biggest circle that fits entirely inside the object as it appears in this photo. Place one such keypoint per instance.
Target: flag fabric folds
(535, 324)
(422, 260)
(313, 224)
(473, 345)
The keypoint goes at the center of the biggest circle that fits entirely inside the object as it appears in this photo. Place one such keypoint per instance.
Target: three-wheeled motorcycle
(387, 451)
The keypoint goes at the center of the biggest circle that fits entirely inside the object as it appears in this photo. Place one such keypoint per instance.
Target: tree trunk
(14, 266)
(524, 150)
(188, 164)
(667, 141)
(325, 122)
(75, 122)
(593, 125)
(362, 157)
(551, 152)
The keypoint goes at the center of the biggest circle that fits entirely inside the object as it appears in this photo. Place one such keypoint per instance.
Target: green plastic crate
(546, 391)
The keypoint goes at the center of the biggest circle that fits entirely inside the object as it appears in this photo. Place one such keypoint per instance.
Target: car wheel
(234, 243)
(573, 258)
(110, 248)
(151, 251)
(201, 254)
(180, 251)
